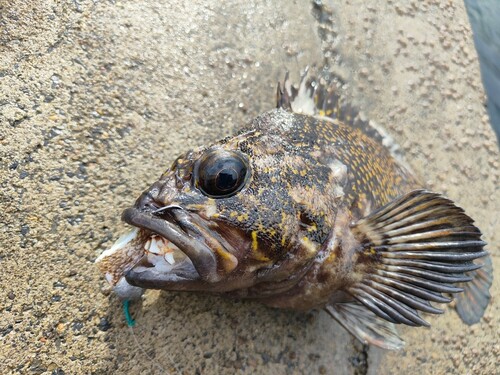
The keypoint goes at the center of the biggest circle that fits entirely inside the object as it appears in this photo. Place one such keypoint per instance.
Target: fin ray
(434, 276)
(365, 325)
(412, 301)
(368, 301)
(398, 222)
(319, 95)
(429, 255)
(400, 312)
(412, 250)
(452, 232)
(432, 266)
(435, 223)
(410, 288)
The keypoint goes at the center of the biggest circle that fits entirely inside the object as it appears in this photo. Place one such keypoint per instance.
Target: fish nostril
(146, 202)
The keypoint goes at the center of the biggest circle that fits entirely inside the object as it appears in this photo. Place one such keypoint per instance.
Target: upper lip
(178, 229)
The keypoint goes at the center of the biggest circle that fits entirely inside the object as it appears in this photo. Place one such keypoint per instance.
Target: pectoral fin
(365, 325)
(413, 250)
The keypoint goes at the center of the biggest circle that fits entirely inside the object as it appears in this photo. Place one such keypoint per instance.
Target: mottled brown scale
(309, 178)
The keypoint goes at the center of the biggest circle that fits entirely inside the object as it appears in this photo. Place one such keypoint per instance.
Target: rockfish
(308, 207)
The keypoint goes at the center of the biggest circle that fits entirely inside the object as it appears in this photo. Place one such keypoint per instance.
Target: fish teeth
(160, 250)
(169, 257)
(154, 248)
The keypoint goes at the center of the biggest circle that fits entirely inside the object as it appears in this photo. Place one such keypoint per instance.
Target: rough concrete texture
(98, 98)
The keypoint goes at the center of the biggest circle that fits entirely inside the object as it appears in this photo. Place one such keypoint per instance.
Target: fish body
(303, 211)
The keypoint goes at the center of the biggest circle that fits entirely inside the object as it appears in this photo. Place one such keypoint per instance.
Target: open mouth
(176, 256)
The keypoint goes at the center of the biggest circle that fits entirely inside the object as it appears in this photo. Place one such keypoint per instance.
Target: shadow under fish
(310, 206)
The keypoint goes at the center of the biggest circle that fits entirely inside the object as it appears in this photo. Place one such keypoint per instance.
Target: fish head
(231, 214)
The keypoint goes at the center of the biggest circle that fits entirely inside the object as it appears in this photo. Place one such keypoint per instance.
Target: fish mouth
(194, 243)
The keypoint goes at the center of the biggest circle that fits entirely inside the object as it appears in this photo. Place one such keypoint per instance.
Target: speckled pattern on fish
(304, 211)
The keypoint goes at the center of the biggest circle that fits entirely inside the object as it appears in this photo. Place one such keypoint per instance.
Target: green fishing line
(128, 318)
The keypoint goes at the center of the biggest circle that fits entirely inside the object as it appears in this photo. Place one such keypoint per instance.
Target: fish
(310, 206)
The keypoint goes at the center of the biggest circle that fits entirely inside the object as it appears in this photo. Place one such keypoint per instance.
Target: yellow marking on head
(309, 245)
(262, 258)
(228, 260)
(197, 207)
(255, 248)
(331, 257)
(242, 217)
(255, 243)
(233, 214)
(312, 228)
(211, 208)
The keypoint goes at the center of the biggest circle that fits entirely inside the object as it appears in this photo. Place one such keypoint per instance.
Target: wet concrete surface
(97, 99)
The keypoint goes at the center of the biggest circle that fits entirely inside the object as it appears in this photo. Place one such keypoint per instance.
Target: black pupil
(221, 174)
(226, 179)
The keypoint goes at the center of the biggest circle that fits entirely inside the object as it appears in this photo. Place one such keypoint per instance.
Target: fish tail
(471, 304)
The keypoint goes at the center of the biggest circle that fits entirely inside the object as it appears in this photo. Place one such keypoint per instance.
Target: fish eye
(220, 174)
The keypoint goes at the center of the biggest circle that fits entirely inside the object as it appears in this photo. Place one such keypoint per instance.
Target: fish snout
(149, 200)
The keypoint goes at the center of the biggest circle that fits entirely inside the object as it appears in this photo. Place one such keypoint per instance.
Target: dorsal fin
(283, 99)
(412, 250)
(318, 94)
